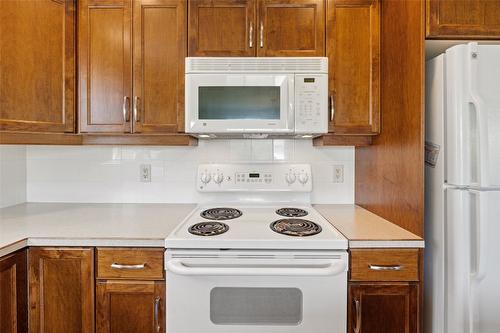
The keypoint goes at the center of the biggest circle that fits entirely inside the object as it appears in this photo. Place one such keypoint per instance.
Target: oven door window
(243, 102)
(256, 306)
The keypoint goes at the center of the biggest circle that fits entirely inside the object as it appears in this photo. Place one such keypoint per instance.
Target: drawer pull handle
(385, 268)
(132, 267)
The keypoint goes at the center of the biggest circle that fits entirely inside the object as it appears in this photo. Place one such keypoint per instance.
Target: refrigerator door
(473, 115)
(485, 263)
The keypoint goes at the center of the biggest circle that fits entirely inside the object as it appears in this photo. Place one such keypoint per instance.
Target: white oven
(256, 97)
(250, 291)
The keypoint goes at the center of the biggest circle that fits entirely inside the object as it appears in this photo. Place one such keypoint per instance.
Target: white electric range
(235, 266)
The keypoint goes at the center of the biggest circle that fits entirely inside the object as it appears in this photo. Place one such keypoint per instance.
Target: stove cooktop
(256, 227)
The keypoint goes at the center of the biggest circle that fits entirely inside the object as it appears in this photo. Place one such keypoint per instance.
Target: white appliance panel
(473, 115)
(257, 294)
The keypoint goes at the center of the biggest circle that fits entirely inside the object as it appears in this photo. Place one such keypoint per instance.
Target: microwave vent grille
(275, 65)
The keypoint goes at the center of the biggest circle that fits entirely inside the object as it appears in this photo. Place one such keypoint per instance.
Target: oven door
(239, 103)
(250, 295)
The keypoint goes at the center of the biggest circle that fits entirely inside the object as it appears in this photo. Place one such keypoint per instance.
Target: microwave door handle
(333, 267)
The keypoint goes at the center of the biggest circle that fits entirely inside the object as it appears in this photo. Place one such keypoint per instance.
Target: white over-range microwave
(256, 97)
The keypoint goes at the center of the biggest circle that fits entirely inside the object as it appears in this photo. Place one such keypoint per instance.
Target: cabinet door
(159, 53)
(353, 49)
(222, 28)
(105, 65)
(14, 293)
(383, 308)
(61, 290)
(37, 65)
(463, 19)
(291, 28)
(130, 307)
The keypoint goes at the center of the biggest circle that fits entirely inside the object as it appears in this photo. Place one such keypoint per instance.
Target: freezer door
(473, 115)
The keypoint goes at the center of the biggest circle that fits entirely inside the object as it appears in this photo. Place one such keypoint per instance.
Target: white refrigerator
(462, 179)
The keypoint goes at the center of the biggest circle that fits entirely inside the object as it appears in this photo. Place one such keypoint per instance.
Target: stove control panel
(254, 177)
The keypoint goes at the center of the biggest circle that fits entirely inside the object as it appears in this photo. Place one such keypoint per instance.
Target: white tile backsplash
(12, 175)
(111, 174)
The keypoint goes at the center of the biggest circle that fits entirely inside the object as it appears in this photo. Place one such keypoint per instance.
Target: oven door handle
(333, 267)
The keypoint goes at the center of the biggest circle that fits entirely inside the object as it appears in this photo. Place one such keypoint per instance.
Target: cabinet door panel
(14, 293)
(463, 19)
(105, 66)
(222, 28)
(130, 307)
(159, 53)
(291, 28)
(37, 65)
(383, 308)
(353, 49)
(61, 290)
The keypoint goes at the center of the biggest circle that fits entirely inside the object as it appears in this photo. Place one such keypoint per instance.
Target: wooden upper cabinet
(387, 308)
(467, 19)
(222, 28)
(37, 65)
(159, 53)
(61, 290)
(105, 65)
(291, 28)
(14, 293)
(353, 50)
(130, 307)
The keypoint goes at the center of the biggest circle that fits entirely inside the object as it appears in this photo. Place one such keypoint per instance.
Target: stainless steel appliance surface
(255, 265)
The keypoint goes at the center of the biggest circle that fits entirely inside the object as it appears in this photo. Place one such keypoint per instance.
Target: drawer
(130, 263)
(385, 265)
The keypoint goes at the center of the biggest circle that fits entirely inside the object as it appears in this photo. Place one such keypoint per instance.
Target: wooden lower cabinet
(383, 308)
(130, 307)
(13, 293)
(61, 290)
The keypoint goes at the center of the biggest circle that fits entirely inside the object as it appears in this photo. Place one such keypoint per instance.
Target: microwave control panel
(311, 103)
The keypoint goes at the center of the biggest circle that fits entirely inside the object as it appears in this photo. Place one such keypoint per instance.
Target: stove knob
(303, 178)
(219, 178)
(205, 178)
(290, 178)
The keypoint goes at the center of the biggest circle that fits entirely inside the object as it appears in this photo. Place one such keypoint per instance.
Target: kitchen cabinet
(384, 293)
(61, 290)
(256, 28)
(130, 306)
(130, 292)
(383, 308)
(473, 19)
(120, 40)
(353, 50)
(223, 28)
(37, 66)
(14, 293)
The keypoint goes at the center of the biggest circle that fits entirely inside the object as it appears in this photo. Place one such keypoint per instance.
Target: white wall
(111, 174)
(12, 175)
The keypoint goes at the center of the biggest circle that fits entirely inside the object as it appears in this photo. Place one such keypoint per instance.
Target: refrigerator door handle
(479, 209)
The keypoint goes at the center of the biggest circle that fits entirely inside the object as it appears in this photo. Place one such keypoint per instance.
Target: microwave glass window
(256, 306)
(244, 102)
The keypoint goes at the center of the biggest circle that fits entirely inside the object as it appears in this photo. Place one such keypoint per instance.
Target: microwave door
(239, 103)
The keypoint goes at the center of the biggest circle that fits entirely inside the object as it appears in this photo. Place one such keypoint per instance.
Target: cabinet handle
(250, 37)
(385, 268)
(261, 34)
(332, 107)
(131, 267)
(126, 109)
(357, 326)
(157, 313)
(136, 112)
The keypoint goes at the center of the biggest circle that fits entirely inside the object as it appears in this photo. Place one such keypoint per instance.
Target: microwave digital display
(309, 80)
(253, 175)
(238, 102)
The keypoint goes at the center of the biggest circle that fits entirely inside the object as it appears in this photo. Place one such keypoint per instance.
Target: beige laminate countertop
(364, 229)
(147, 225)
(63, 224)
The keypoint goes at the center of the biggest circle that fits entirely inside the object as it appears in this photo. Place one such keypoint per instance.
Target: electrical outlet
(338, 174)
(145, 173)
